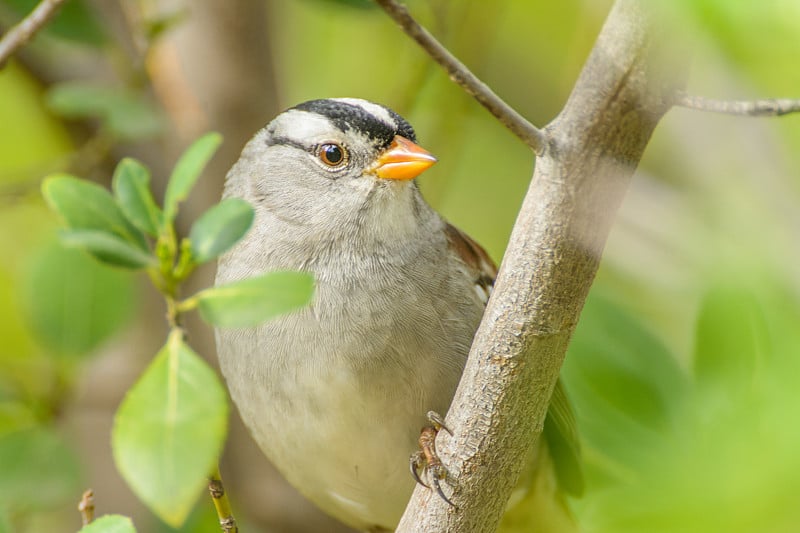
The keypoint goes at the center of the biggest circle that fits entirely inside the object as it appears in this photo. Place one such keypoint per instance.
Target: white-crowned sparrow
(336, 394)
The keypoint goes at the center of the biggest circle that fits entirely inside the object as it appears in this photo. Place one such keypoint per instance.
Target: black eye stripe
(286, 141)
(314, 150)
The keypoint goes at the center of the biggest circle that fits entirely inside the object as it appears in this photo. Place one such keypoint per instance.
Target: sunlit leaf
(187, 171)
(14, 416)
(86, 205)
(74, 303)
(220, 228)
(38, 143)
(131, 184)
(254, 300)
(169, 431)
(39, 469)
(21, 361)
(107, 248)
(112, 523)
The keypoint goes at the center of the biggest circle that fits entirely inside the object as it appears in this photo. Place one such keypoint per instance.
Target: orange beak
(403, 160)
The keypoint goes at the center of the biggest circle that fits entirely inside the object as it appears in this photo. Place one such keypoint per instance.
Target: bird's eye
(332, 155)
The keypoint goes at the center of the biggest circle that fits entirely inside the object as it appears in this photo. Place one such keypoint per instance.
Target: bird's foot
(427, 461)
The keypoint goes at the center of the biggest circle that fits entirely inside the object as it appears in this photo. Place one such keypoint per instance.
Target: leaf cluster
(170, 428)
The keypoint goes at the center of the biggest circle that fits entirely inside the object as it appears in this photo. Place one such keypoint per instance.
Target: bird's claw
(437, 421)
(416, 465)
(427, 461)
(438, 474)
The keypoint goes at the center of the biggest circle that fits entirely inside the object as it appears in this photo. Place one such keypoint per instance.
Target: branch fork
(626, 86)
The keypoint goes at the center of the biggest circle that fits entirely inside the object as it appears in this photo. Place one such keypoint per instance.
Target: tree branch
(767, 107)
(20, 34)
(460, 74)
(592, 149)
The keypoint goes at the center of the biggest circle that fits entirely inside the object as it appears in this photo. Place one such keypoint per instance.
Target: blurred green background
(684, 369)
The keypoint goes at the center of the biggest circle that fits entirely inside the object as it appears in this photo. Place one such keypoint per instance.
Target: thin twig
(460, 74)
(226, 520)
(27, 28)
(86, 507)
(767, 107)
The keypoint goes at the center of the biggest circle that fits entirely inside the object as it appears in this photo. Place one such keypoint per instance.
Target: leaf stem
(185, 262)
(226, 520)
(173, 312)
(189, 304)
(86, 507)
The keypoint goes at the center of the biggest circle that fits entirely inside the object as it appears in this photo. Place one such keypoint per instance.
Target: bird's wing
(563, 442)
(560, 428)
(475, 257)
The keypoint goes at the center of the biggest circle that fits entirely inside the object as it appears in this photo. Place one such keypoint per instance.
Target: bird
(335, 394)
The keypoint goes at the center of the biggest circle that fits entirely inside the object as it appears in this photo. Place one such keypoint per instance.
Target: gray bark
(592, 150)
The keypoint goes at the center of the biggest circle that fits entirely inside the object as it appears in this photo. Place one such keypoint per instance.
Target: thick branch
(460, 74)
(768, 107)
(592, 150)
(20, 34)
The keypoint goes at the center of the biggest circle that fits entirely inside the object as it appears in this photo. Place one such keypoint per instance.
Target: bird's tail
(539, 504)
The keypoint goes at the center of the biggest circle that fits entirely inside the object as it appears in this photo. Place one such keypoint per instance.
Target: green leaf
(131, 184)
(80, 100)
(128, 114)
(107, 247)
(220, 228)
(15, 415)
(112, 523)
(134, 117)
(731, 341)
(169, 431)
(187, 171)
(39, 469)
(86, 205)
(74, 303)
(563, 442)
(252, 301)
(627, 388)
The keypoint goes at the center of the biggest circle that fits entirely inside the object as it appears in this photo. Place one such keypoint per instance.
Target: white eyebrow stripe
(297, 124)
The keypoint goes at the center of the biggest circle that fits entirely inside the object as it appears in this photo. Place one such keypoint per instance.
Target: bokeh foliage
(169, 430)
(684, 368)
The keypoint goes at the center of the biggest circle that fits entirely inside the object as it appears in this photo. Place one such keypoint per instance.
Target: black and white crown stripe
(378, 123)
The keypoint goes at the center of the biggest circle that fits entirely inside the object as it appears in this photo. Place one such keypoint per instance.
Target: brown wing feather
(475, 257)
(560, 429)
